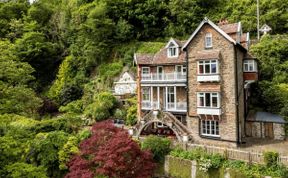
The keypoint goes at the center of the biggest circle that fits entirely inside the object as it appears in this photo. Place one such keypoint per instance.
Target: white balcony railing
(164, 77)
(179, 106)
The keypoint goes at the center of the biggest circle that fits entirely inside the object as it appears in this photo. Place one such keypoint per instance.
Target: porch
(168, 98)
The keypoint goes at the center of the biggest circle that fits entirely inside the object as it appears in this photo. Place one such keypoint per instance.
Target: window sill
(212, 137)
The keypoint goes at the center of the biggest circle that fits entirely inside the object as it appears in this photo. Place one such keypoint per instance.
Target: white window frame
(170, 94)
(169, 50)
(212, 94)
(250, 63)
(182, 69)
(148, 93)
(142, 71)
(207, 44)
(210, 126)
(208, 62)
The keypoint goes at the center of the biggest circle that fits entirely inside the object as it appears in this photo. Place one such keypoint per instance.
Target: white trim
(211, 100)
(208, 35)
(239, 29)
(172, 41)
(250, 62)
(145, 68)
(204, 69)
(176, 52)
(206, 20)
(210, 128)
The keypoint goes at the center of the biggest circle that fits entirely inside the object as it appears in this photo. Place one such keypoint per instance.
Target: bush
(102, 106)
(270, 158)
(25, 170)
(158, 146)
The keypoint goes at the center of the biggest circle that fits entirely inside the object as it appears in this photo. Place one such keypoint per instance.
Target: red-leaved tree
(110, 152)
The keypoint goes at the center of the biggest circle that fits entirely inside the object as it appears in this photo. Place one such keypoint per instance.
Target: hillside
(59, 59)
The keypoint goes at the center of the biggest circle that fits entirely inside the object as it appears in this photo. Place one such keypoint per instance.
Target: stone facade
(228, 123)
(258, 130)
(228, 116)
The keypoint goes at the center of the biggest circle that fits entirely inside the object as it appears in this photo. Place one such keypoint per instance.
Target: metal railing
(163, 77)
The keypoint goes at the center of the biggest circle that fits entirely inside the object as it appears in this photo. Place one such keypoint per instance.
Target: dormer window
(208, 40)
(172, 51)
(172, 48)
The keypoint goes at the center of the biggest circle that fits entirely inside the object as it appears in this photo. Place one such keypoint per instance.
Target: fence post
(249, 158)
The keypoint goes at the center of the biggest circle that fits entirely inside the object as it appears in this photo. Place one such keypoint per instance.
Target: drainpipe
(187, 73)
(238, 127)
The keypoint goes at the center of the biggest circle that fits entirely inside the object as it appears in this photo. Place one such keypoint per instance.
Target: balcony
(176, 107)
(208, 78)
(209, 111)
(172, 77)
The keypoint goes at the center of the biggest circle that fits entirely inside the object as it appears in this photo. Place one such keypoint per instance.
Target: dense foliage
(59, 59)
(112, 153)
(160, 147)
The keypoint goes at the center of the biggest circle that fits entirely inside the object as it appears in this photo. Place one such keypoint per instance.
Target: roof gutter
(238, 127)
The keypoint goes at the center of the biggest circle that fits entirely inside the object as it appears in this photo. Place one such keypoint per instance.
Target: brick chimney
(223, 22)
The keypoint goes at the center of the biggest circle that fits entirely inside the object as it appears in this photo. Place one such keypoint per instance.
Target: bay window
(250, 66)
(208, 67)
(211, 100)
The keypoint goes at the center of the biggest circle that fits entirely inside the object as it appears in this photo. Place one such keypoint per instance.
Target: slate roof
(161, 57)
(229, 28)
(267, 117)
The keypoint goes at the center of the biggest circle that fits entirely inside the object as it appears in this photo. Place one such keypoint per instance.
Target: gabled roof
(161, 56)
(207, 21)
(174, 41)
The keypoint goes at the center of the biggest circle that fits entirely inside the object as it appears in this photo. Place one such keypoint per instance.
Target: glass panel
(212, 127)
(146, 94)
(203, 127)
(207, 67)
(208, 127)
(217, 127)
(214, 101)
(201, 69)
(213, 68)
(171, 94)
(207, 100)
(184, 70)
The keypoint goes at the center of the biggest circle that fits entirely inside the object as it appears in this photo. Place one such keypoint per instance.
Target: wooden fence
(236, 154)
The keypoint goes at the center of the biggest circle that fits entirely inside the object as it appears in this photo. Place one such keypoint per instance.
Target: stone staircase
(181, 131)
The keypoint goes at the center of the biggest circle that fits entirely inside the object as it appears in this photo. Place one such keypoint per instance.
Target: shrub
(102, 107)
(158, 146)
(112, 153)
(25, 170)
(270, 158)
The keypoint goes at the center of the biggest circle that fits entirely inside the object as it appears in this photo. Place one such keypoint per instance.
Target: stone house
(200, 86)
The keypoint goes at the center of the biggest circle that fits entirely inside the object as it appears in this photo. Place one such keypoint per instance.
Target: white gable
(125, 85)
(172, 41)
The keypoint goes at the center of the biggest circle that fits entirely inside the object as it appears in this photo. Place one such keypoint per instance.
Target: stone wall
(257, 130)
(227, 125)
(279, 131)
